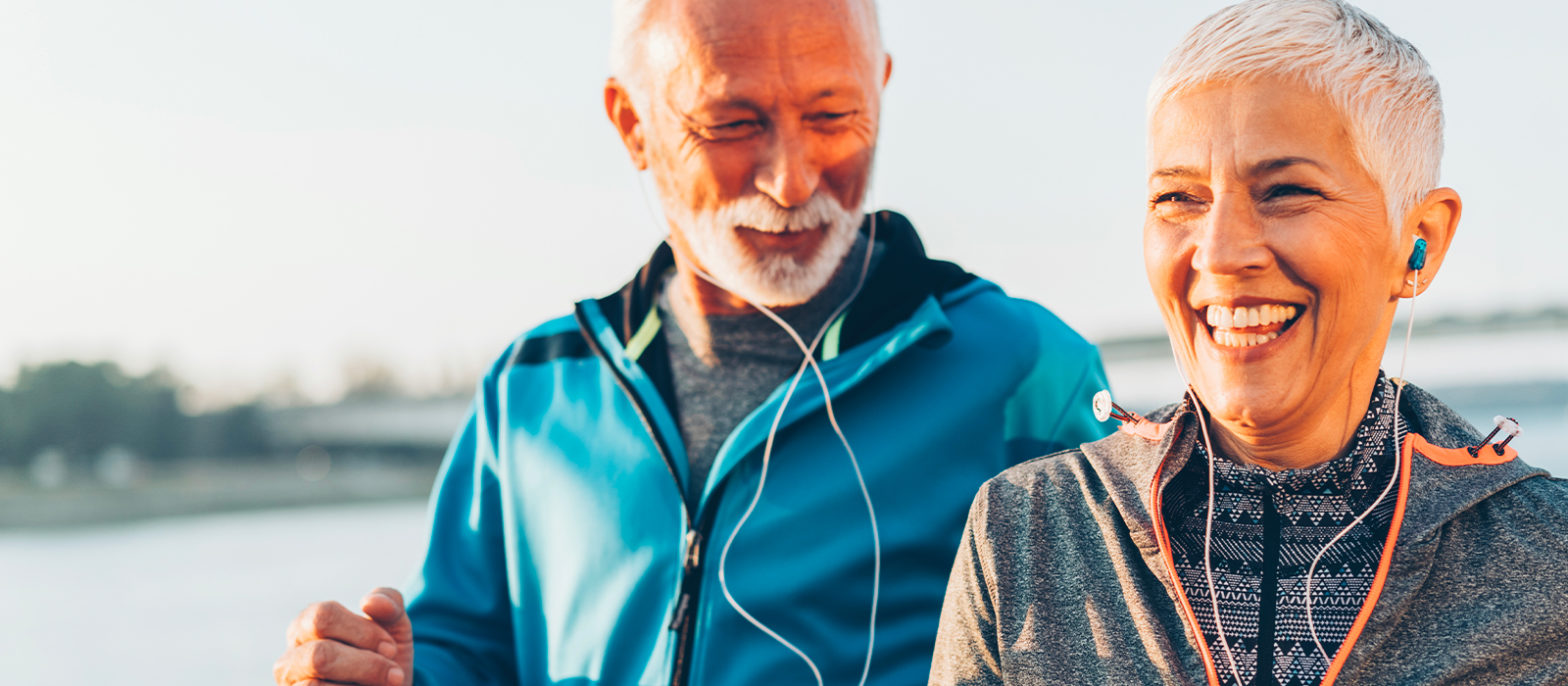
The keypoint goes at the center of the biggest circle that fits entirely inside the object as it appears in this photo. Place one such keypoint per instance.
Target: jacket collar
(902, 298)
(1438, 493)
(1130, 459)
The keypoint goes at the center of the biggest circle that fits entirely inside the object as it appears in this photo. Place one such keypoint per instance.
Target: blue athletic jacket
(561, 549)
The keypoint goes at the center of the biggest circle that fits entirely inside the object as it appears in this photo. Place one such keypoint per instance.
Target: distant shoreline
(199, 489)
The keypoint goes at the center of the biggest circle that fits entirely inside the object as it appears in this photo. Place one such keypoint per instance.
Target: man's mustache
(761, 213)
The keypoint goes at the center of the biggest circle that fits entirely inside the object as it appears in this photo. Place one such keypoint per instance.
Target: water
(192, 601)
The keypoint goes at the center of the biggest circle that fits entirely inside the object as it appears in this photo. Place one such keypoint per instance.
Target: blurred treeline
(82, 411)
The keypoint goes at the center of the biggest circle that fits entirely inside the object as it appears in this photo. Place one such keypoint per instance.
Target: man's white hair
(628, 19)
(628, 43)
(1378, 81)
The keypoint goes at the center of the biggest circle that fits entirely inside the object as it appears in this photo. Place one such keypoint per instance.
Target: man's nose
(1232, 240)
(786, 173)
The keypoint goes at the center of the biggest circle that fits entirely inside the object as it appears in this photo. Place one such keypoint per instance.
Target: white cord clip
(1507, 425)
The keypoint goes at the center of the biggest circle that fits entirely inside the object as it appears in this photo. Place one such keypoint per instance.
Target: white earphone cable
(1208, 538)
(1399, 388)
(767, 453)
(809, 354)
(1208, 527)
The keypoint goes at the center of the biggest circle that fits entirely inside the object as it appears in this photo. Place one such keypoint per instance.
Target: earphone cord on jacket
(1399, 389)
(1208, 531)
(1208, 527)
(809, 353)
(767, 454)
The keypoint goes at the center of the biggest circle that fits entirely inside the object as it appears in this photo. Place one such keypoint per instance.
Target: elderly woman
(1299, 518)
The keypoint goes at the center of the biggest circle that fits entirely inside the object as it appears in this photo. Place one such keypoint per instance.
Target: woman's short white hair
(1378, 81)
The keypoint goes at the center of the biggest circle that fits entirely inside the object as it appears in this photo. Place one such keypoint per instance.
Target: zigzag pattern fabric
(1268, 526)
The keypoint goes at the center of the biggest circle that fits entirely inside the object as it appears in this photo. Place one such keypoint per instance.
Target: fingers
(332, 621)
(334, 662)
(385, 606)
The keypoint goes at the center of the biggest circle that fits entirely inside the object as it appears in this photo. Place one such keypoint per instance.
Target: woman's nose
(1232, 239)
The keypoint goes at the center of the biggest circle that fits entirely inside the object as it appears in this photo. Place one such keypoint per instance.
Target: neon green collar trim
(830, 341)
(650, 327)
(644, 337)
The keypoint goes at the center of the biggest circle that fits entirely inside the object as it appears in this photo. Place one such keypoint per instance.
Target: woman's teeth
(1225, 321)
(1243, 340)
(1222, 317)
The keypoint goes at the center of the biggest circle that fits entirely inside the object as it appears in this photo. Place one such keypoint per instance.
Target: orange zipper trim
(1163, 539)
(1407, 452)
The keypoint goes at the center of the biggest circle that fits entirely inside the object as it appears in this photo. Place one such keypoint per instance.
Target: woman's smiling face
(1269, 249)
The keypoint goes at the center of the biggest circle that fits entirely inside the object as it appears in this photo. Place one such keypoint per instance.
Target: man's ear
(887, 68)
(1434, 219)
(623, 116)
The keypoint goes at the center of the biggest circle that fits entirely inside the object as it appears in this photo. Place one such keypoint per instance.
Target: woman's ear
(1434, 219)
(623, 116)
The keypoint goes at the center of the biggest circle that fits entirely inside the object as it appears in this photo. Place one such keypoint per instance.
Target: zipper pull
(693, 550)
(689, 568)
(681, 607)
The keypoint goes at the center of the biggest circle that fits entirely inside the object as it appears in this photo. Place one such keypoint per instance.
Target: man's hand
(328, 643)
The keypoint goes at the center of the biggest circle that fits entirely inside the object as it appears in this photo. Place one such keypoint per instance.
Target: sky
(244, 191)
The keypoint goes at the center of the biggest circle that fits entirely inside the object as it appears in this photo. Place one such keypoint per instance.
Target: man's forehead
(724, 20)
(721, 42)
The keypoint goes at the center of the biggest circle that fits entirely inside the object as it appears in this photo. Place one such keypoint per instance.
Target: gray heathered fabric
(1059, 578)
(733, 363)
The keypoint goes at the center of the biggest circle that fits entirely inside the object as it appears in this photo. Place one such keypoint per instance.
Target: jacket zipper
(691, 567)
(684, 621)
(1210, 667)
(1163, 540)
(1268, 607)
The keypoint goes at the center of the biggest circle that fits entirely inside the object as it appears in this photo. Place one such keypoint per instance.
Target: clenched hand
(330, 644)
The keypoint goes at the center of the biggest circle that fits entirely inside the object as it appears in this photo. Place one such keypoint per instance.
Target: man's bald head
(642, 31)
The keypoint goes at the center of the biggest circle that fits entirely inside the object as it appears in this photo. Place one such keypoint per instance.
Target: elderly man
(657, 488)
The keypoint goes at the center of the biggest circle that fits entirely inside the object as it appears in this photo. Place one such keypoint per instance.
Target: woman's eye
(1289, 190)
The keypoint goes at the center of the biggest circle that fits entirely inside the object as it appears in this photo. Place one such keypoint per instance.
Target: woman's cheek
(1164, 263)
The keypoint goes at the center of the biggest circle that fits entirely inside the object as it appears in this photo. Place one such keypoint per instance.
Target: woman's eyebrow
(1278, 163)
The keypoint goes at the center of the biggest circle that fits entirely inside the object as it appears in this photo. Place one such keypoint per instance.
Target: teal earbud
(1418, 256)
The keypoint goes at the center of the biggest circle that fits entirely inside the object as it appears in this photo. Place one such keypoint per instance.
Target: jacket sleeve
(459, 600)
(966, 645)
(1052, 409)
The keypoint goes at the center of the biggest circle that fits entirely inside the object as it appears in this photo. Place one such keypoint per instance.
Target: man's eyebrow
(726, 101)
(1279, 163)
(843, 89)
(1170, 172)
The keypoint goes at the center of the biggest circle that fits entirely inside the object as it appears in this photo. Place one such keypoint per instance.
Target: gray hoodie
(1063, 575)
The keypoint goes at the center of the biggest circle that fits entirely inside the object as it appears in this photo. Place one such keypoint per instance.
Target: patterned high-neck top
(1268, 527)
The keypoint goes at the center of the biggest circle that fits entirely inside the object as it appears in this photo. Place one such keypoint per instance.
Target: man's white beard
(771, 280)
